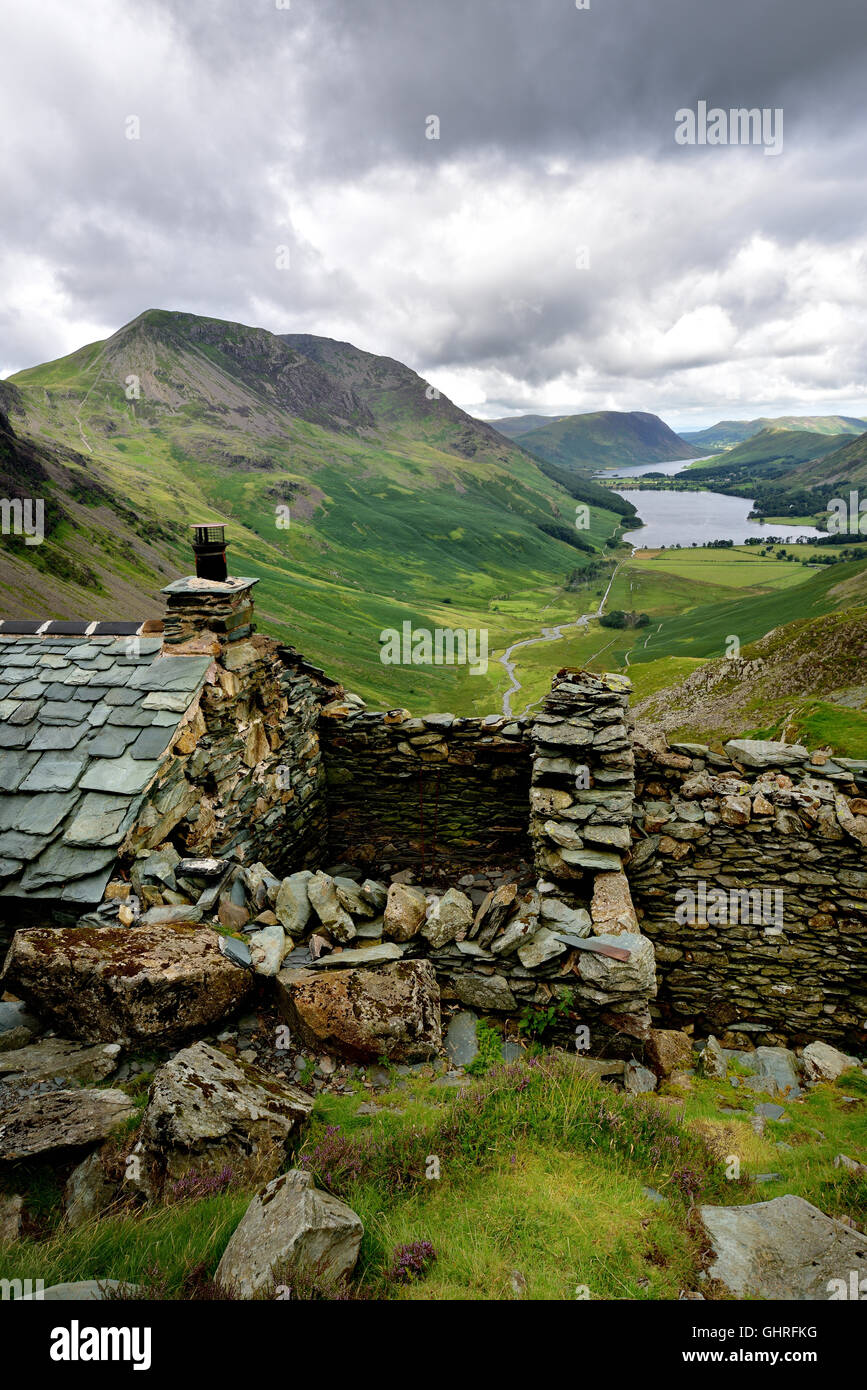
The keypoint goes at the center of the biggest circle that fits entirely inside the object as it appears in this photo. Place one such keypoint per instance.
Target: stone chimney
(208, 611)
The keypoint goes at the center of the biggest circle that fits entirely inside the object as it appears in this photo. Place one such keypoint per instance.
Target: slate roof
(85, 719)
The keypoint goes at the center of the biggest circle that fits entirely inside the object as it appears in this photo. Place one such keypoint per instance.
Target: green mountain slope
(513, 426)
(804, 680)
(780, 449)
(400, 506)
(847, 464)
(727, 432)
(606, 439)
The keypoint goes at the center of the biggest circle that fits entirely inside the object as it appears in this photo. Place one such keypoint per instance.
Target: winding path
(548, 634)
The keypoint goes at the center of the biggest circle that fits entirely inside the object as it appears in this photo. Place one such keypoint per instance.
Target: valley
(361, 498)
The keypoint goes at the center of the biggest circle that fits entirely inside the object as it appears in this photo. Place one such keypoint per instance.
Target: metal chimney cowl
(209, 547)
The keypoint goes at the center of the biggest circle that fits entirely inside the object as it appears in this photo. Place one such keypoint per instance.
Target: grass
(541, 1173)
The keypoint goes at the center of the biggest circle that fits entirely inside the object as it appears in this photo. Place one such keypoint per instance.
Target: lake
(681, 518)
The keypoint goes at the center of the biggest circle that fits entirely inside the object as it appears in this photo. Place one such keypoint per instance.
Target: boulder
(11, 1218)
(363, 1014)
(292, 905)
(267, 949)
(60, 1120)
(141, 984)
(712, 1061)
(669, 1050)
(351, 898)
(492, 913)
(606, 979)
(774, 1069)
(544, 946)
(405, 911)
(485, 992)
(88, 1191)
(73, 1061)
(760, 753)
(208, 1111)
(449, 919)
(638, 1080)
(782, 1249)
(611, 909)
(560, 917)
(825, 1063)
(322, 892)
(288, 1226)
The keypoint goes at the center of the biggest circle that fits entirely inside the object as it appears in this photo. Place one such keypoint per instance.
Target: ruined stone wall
(773, 821)
(244, 775)
(439, 794)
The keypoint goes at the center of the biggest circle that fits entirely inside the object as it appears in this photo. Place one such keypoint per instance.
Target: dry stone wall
(444, 794)
(749, 873)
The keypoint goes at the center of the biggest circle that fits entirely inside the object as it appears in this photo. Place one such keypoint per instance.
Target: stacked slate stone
(771, 841)
(202, 606)
(498, 956)
(245, 774)
(445, 792)
(583, 779)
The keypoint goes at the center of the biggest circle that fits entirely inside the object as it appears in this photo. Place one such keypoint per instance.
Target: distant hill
(727, 432)
(606, 439)
(399, 502)
(847, 464)
(773, 452)
(513, 426)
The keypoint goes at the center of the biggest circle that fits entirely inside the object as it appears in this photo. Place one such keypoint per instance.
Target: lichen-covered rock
(783, 1249)
(607, 978)
(449, 919)
(322, 892)
(288, 1226)
(669, 1050)
(141, 984)
(267, 949)
(208, 1111)
(292, 905)
(60, 1120)
(88, 1191)
(405, 911)
(825, 1063)
(611, 908)
(712, 1060)
(50, 1057)
(363, 1014)
(485, 992)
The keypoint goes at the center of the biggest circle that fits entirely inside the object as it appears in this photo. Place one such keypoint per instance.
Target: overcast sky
(554, 250)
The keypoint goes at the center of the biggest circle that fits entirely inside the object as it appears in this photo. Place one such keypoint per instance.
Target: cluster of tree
(568, 536)
(585, 490)
(617, 618)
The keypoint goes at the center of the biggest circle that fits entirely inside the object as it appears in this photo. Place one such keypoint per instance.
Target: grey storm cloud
(715, 275)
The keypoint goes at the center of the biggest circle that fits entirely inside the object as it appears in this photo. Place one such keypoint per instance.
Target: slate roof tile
(56, 712)
(54, 772)
(99, 713)
(124, 774)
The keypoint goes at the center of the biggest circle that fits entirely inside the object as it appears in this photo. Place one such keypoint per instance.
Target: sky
(556, 249)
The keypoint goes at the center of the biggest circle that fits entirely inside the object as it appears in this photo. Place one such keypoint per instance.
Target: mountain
(727, 432)
(400, 506)
(513, 426)
(846, 465)
(606, 439)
